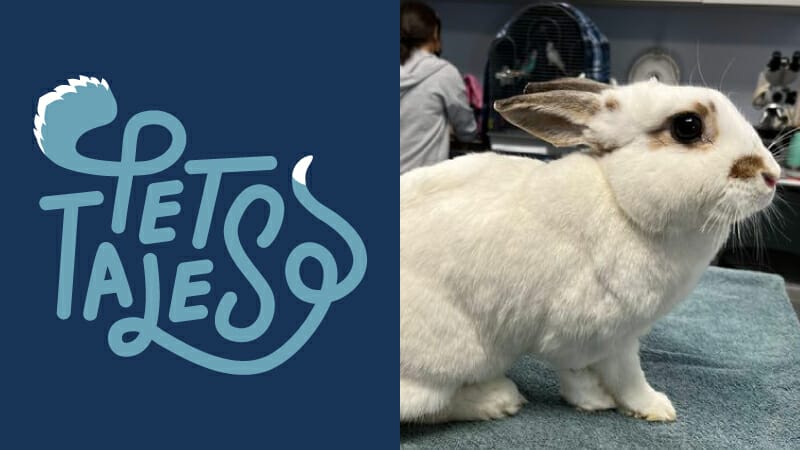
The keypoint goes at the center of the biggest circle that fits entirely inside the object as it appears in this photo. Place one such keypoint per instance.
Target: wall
(742, 36)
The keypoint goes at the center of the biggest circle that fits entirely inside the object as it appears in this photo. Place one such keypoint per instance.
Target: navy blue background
(287, 81)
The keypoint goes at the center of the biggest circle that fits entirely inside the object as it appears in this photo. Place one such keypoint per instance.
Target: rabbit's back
(485, 237)
(479, 172)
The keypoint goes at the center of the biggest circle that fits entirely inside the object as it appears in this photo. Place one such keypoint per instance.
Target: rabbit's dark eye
(687, 127)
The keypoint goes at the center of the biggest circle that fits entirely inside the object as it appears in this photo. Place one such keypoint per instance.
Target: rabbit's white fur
(571, 260)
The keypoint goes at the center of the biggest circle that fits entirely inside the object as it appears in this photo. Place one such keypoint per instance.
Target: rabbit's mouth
(753, 198)
(742, 202)
(751, 186)
(770, 179)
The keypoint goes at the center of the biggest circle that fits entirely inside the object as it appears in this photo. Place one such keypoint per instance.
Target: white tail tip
(300, 169)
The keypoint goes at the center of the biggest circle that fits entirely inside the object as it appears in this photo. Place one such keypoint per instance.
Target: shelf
(754, 2)
(792, 182)
(795, 3)
(521, 143)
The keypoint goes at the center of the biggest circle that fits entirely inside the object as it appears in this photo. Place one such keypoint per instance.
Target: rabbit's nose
(770, 178)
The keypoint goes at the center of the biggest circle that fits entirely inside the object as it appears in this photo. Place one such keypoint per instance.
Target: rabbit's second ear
(566, 84)
(558, 117)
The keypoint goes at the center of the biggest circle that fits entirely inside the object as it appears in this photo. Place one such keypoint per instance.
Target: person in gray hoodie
(432, 92)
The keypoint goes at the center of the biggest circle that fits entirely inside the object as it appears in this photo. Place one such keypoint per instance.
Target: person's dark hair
(419, 24)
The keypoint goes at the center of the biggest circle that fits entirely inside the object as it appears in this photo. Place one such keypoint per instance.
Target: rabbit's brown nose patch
(747, 167)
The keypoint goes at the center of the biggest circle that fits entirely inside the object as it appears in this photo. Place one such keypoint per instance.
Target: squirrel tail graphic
(68, 112)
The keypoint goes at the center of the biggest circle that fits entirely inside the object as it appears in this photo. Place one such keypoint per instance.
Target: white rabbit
(571, 261)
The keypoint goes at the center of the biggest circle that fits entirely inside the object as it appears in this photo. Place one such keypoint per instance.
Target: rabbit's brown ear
(567, 84)
(558, 117)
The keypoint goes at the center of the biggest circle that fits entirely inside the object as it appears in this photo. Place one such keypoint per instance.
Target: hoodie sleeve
(456, 104)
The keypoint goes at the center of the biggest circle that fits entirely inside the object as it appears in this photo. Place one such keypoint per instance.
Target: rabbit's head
(674, 156)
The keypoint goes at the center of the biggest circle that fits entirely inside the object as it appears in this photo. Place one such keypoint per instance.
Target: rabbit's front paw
(592, 401)
(653, 406)
(486, 401)
(582, 388)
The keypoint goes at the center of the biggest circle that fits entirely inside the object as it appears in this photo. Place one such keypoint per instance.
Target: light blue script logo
(70, 111)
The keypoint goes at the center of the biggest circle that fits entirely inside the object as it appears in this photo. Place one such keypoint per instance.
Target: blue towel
(728, 357)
